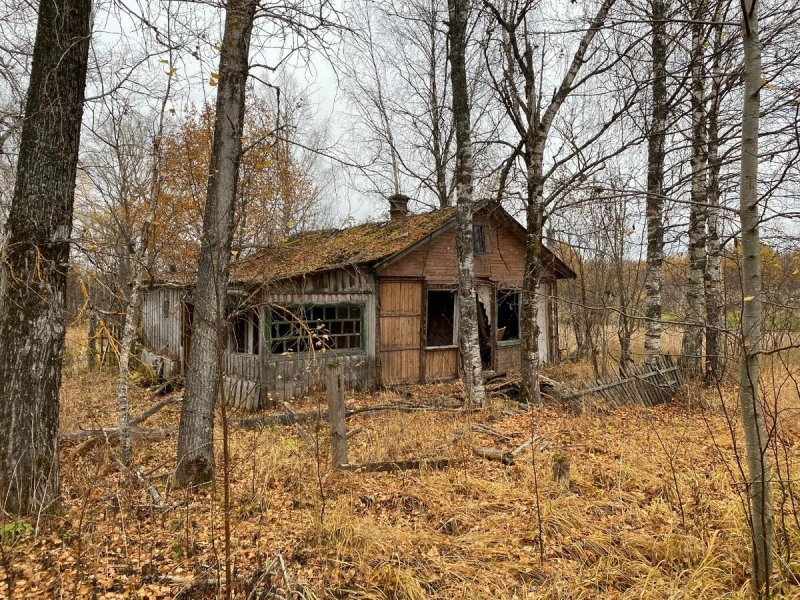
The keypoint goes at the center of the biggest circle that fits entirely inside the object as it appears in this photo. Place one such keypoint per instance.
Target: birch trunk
(34, 272)
(141, 261)
(195, 459)
(752, 410)
(692, 344)
(467, 305)
(655, 184)
(713, 247)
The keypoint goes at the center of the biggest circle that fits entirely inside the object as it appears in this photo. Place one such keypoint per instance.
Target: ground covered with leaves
(653, 508)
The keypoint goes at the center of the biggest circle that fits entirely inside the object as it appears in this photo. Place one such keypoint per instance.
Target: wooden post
(335, 388)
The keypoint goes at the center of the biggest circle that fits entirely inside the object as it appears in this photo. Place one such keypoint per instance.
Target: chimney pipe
(398, 206)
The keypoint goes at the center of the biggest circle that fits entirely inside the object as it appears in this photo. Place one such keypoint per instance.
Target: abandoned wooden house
(378, 297)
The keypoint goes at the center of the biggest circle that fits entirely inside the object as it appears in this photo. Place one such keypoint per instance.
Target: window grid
(318, 327)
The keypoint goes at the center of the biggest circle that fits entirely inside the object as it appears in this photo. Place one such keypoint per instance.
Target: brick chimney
(398, 206)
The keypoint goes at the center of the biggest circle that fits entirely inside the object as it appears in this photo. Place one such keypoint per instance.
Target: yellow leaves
(748, 298)
(214, 79)
(164, 61)
(172, 72)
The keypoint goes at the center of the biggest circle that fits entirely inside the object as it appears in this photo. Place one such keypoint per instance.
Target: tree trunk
(692, 345)
(752, 410)
(195, 460)
(467, 304)
(34, 274)
(537, 134)
(141, 260)
(91, 342)
(713, 246)
(529, 311)
(655, 184)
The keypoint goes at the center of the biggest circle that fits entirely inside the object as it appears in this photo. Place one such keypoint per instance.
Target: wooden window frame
(297, 309)
(424, 340)
(252, 341)
(518, 340)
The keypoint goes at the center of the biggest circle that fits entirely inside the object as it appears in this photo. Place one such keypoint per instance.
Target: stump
(561, 470)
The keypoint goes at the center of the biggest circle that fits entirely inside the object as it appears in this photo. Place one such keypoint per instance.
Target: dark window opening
(315, 327)
(165, 308)
(244, 331)
(478, 242)
(441, 318)
(507, 315)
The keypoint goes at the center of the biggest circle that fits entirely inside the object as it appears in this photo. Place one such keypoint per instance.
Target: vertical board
(400, 324)
(441, 364)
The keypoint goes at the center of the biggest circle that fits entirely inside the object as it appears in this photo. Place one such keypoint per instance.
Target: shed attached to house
(378, 297)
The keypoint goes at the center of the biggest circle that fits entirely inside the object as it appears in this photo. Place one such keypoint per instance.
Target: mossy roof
(324, 250)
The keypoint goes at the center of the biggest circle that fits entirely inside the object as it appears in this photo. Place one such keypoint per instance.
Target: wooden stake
(336, 414)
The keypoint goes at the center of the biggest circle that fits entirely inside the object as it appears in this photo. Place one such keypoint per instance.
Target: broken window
(478, 242)
(507, 315)
(315, 327)
(441, 318)
(244, 328)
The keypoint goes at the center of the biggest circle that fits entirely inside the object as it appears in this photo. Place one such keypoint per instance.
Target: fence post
(335, 388)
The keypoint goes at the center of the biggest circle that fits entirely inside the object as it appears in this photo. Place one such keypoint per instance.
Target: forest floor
(653, 510)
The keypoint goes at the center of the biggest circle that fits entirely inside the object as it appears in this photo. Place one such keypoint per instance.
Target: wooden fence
(645, 385)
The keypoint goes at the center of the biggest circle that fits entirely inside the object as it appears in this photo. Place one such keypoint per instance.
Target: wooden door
(400, 327)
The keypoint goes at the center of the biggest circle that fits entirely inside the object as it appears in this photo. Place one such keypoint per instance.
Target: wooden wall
(160, 328)
(436, 260)
(281, 378)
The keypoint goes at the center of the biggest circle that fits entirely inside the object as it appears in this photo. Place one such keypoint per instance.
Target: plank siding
(160, 325)
(436, 259)
(400, 326)
(441, 363)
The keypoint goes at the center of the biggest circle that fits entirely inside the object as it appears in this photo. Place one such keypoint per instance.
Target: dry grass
(651, 511)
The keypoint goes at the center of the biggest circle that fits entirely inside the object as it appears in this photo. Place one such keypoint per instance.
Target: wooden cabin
(381, 298)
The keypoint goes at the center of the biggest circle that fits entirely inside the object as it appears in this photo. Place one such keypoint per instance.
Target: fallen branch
(494, 454)
(401, 465)
(292, 418)
(154, 409)
(153, 435)
(521, 448)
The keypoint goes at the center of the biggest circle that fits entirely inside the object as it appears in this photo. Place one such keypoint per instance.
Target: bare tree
(36, 256)
(756, 440)
(533, 120)
(467, 305)
(692, 345)
(655, 180)
(195, 459)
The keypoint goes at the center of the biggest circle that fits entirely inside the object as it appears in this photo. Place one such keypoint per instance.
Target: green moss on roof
(330, 249)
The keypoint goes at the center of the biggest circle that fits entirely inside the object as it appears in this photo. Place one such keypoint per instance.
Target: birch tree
(659, 10)
(36, 256)
(533, 118)
(692, 343)
(756, 441)
(467, 305)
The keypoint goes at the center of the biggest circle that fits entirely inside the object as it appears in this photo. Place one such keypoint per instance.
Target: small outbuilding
(381, 298)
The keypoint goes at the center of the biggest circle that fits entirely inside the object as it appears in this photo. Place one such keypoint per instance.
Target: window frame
(518, 340)
(476, 251)
(454, 343)
(252, 341)
(295, 309)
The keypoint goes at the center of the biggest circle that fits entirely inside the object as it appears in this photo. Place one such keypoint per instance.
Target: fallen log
(400, 465)
(292, 418)
(153, 435)
(494, 454)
